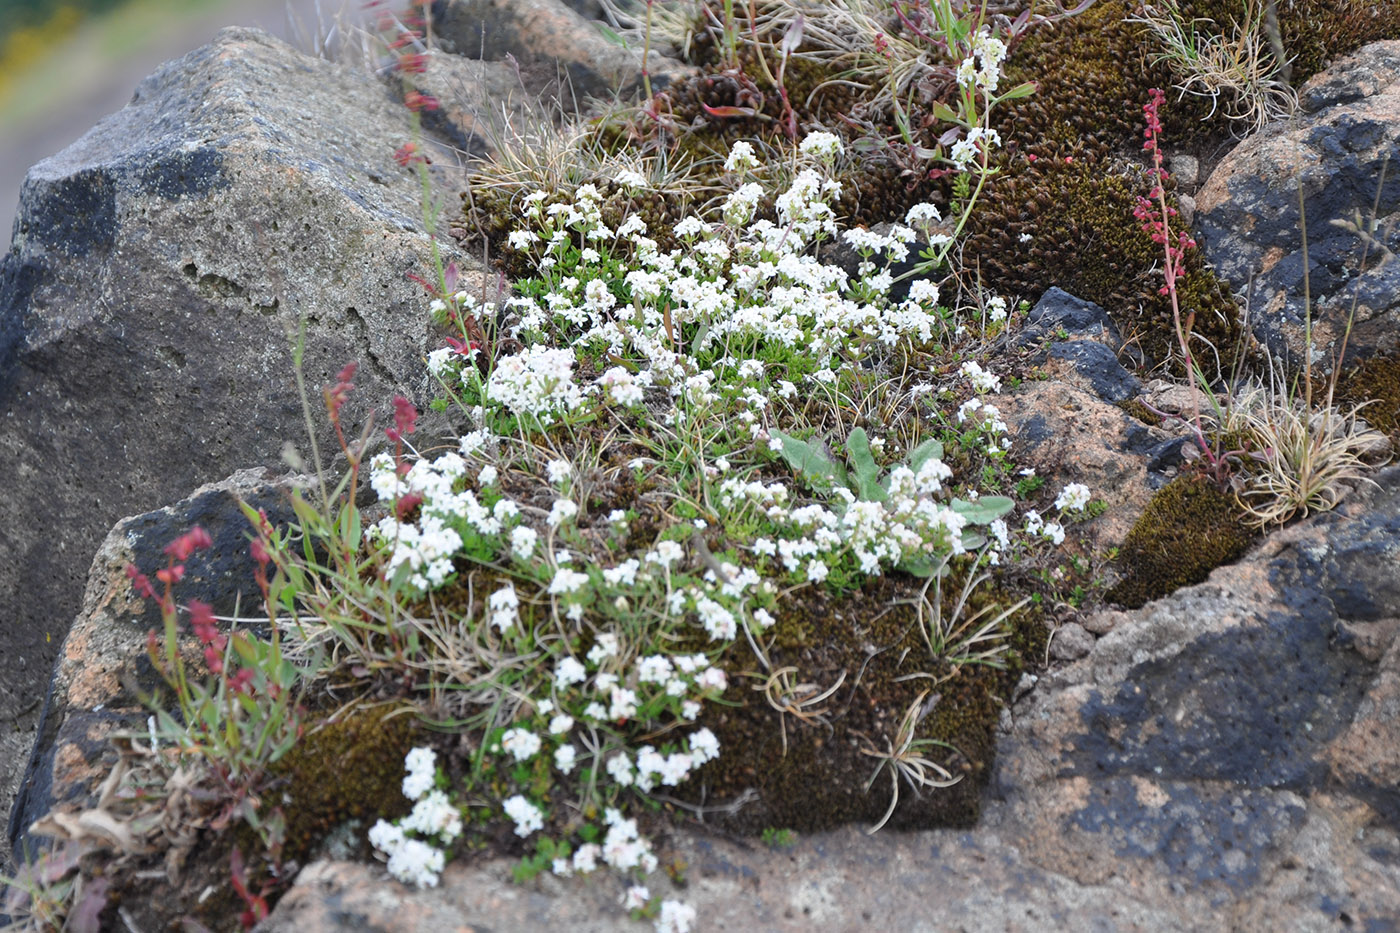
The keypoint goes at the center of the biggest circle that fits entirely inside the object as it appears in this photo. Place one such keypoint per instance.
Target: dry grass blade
(796, 700)
(904, 757)
(1238, 72)
(1308, 457)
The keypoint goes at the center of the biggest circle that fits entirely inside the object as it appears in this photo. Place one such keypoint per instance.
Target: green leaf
(611, 35)
(1020, 90)
(917, 566)
(971, 540)
(931, 449)
(943, 112)
(699, 341)
(811, 461)
(867, 472)
(984, 510)
(306, 513)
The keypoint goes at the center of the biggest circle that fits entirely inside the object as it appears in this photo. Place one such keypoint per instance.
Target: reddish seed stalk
(1156, 221)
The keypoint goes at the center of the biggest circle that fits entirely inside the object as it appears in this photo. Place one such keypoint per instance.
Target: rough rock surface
(1070, 428)
(159, 270)
(1223, 759)
(104, 653)
(564, 55)
(480, 103)
(1247, 212)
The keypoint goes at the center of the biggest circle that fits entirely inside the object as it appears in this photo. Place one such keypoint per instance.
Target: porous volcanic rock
(1222, 759)
(1247, 213)
(160, 269)
(103, 657)
(562, 54)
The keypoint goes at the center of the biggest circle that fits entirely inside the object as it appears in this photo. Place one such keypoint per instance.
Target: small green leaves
(867, 473)
(984, 511)
(811, 460)
(931, 449)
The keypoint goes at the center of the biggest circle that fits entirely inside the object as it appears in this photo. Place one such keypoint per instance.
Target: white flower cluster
(1074, 497)
(447, 516)
(982, 67)
(410, 860)
(538, 381)
(982, 380)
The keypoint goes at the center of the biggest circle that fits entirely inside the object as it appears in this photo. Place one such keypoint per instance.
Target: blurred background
(64, 64)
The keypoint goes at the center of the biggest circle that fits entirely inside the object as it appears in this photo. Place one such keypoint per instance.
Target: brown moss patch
(1376, 384)
(1188, 529)
(349, 769)
(873, 637)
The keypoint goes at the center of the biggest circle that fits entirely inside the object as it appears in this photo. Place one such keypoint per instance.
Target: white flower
(703, 747)
(982, 380)
(435, 815)
(487, 476)
(675, 917)
(526, 815)
(568, 672)
(559, 471)
(564, 758)
(522, 239)
(567, 581)
(1075, 496)
(386, 837)
(620, 769)
(820, 145)
(628, 178)
(622, 705)
(504, 604)
(416, 863)
(520, 744)
(562, 511)
(740, 157)
(522, 541)
(586, 858)
(417, 783)
(923, 291)
(440, 362)
(420, 759)
(636, 898)
(560, 724)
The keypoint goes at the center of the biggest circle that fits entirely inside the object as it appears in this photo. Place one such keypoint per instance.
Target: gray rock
(1060, 315)
(479, 103)
(1099, 366)
(1186, 169)
(159, 270)
(104, 652)
(578, 61)
(1250, 228)
(1224, 760)
(1070, 642)
(1069, 434)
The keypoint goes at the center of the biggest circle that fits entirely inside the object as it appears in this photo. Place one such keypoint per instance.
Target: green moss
(1136, 408)
(1376, 384)
(349, 769)
(873, 636)
(1085, 239)
(1188, 529)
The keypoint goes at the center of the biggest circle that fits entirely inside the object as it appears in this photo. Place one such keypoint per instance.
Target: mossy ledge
(822, 779)
(1188, 529)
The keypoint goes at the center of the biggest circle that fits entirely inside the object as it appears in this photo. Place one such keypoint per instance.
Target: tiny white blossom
(526, 815)
(1075, 496)
(520, 744)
